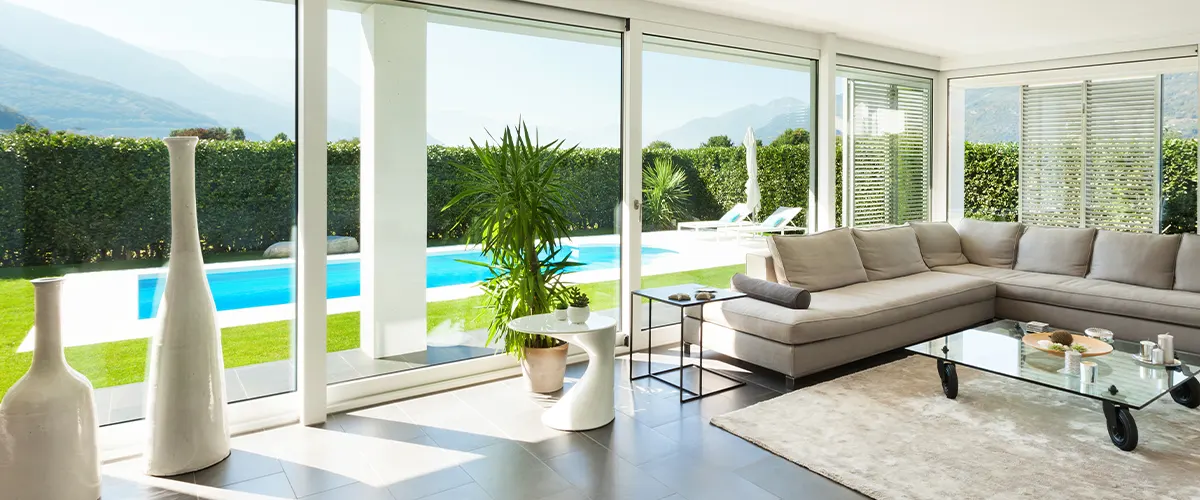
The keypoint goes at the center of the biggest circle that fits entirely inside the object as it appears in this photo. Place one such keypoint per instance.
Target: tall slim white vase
(48, 418)
(185, 407)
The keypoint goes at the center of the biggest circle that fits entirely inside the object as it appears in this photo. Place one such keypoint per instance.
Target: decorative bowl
(1096, 347)
(1099, 333)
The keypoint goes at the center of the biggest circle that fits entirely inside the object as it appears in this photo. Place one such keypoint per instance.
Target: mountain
(10, 118)
(87, 52)
(992, 114)
(768, 121)
(61, 100)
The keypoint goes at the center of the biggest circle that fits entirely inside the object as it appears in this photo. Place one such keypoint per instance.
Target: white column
(393, 181)
(826, 137)
(940, 192)
(312, 199)
(957, 129)
(631, 197)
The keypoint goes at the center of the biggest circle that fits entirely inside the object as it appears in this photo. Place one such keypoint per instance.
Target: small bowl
(1099, 333)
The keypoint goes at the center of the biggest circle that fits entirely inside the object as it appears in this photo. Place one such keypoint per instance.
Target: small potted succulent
(560, 311)
(578, 311)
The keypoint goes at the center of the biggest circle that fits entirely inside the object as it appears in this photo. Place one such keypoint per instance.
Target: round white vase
(578, 315)
(48, 418)
(185, 406)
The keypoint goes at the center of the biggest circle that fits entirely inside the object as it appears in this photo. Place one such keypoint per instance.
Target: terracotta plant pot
(545, 368)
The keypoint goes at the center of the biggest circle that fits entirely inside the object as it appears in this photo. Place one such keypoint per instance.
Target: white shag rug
(888, 432)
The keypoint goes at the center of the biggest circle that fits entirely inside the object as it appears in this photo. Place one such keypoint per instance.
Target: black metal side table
(662, 294)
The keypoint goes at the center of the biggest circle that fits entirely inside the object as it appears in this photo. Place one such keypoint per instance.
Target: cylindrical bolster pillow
(775, 293)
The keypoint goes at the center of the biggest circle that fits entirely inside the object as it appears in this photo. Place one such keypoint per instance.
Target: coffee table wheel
(949, 376)
(1122, 429)
(1187, 394)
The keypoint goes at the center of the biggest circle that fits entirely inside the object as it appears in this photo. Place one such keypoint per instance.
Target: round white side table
(589, 404)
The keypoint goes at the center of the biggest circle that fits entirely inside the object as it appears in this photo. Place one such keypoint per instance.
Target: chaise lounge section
(881, 289)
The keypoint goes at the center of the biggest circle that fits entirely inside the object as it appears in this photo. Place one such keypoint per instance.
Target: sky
(478, 79)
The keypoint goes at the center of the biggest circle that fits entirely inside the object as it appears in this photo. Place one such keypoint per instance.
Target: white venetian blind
(888, 148)
(1122, 175)
(1090, 154)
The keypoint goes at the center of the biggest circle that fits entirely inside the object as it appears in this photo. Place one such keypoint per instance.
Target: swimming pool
(260, 286)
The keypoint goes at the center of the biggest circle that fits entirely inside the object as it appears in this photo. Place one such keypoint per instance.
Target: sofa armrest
(761, 265)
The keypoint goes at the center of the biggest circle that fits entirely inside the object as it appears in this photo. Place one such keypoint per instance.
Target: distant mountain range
(10, 118)
(61, 100)
(769, 120)
(993, 113)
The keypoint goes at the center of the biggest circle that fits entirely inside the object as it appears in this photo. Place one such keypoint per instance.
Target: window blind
(888, 152)
(1089, 154)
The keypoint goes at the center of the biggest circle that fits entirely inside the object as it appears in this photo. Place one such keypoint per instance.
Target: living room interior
(599, 249)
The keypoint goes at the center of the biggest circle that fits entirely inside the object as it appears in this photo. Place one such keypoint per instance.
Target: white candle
(1089, 372)
(1167, 343)
(1072, 359)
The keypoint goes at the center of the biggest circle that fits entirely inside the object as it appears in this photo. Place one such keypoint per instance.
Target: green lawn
(124, 362)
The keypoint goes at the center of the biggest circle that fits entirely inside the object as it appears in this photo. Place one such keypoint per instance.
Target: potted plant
(578, 311)
(513, 200)
(560, 311)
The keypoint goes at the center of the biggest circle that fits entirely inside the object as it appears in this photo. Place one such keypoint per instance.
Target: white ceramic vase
(185, 405)
(560, 314)
(48, 418)
(578, 315)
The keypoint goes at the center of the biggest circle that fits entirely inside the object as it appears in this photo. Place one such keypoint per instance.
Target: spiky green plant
(514, 200)
(664, 194)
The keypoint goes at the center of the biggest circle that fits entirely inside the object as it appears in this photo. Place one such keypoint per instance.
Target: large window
(713, 116)
(87, 90)
(421, 88)
(1117, 151)
(887, 148)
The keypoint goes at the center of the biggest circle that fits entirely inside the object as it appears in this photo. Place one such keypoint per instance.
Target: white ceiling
(970, 28)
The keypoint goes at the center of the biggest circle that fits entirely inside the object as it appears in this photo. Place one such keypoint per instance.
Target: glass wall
(416, 103)
(711, 116)
(87, 89)
(1007, 168)
(887, 150)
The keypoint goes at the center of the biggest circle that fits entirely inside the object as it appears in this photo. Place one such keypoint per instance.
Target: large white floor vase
(185, 407)
(48, 418)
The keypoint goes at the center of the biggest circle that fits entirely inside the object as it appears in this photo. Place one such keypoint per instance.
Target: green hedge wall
(992, 170)
(67, 198)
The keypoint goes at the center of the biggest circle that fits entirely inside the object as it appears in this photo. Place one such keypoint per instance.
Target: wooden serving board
(1096, 347)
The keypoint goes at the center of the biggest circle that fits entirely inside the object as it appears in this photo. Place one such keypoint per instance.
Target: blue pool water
(272, 285)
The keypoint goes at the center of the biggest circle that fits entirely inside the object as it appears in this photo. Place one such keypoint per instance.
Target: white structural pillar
(940, 193)
(392, 184)
(312, 224)
(826, 188)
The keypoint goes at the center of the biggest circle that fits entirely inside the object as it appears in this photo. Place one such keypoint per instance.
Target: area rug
(889, 433)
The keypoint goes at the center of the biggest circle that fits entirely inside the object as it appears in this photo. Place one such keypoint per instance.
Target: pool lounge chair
(736, 216)
(778, 222)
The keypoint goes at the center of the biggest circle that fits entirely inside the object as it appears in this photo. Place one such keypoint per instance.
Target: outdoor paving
(487, 442)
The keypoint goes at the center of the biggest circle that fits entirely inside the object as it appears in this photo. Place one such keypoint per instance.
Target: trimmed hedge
(67, 198)
(992, 172)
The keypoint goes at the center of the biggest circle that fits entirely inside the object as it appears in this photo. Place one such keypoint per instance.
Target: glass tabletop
(662, 293)
(997, 348)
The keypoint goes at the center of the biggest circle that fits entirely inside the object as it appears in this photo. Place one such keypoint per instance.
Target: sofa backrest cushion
(987, 243)
(889, 253)
(940, 244)
(1055, 250)
(1187, 269)
(1135, 258)
(818, 261)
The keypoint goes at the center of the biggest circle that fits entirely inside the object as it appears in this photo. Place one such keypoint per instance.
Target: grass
(124, 362)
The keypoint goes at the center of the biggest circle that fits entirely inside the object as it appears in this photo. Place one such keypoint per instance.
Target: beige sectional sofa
(882, 289)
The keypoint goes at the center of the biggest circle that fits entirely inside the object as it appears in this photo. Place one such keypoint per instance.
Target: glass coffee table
(1122, 384)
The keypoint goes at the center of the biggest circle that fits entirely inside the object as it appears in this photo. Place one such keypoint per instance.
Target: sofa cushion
(817, 262)
(940, 243)
(851, 309)
(1055, 250)
(889, 253)
(991, 273)
(1135, 258)
(1187, 269)
(1151, 304)
(987, 243)
(769, 291)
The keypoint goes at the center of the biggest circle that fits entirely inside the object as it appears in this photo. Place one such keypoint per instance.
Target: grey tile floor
(487, 442)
